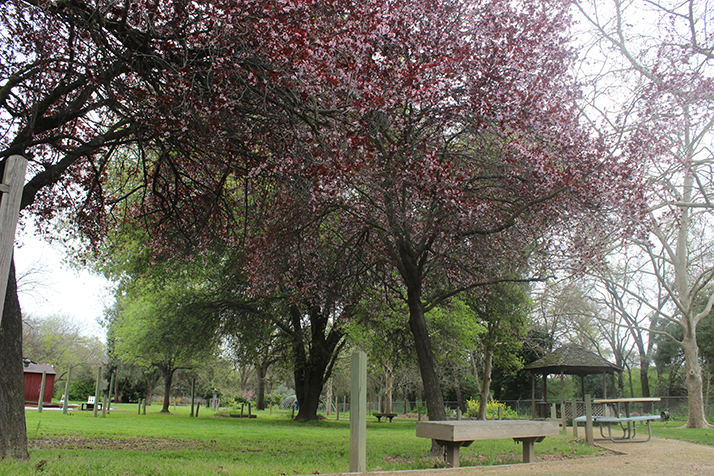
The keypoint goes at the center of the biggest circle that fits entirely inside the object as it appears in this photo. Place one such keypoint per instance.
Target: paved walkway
(657, 457)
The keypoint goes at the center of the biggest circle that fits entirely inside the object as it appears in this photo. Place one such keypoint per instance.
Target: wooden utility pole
(96, 392)
(65, 404)
(11, 191)
(358, 414)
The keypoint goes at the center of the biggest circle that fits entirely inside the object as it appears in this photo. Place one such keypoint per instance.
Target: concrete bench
(626, 423)
(461, 433)
(384, 415)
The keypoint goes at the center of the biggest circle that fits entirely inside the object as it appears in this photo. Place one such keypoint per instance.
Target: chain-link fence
(676, 406)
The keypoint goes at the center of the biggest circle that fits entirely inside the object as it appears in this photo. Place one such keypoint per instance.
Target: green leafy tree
(455, 331)
(503, 311)
(166, 329)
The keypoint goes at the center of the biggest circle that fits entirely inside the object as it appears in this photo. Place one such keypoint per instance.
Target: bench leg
(528, 450)
(452, 455)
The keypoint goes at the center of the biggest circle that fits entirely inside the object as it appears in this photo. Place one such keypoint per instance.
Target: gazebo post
(604, 385)
(544, 397)
(562, 402)
(533, 388)
(582, 385)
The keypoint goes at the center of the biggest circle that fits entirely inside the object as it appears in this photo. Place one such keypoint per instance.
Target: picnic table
(384, 415)
(627, 422)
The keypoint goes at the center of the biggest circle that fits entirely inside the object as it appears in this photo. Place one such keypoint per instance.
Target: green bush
(81, 388)
(492, 407)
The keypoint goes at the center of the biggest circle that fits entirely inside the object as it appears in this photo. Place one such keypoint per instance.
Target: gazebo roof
(572, 359)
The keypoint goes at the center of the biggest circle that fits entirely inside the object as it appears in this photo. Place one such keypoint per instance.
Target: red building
(33, 382)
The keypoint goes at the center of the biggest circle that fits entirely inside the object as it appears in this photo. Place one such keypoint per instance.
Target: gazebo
(570, 359)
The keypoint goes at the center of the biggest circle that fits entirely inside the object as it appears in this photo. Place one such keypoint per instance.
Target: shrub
(492, 408)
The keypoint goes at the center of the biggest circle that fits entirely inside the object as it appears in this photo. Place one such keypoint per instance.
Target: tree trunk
(459, 394)
(427, 365)
(313, 358)
(485, 390)
(388, 387)
(425, 358)
(695, 388)
(309, 382)
(168, 377)
(152, 379)
(13, 432)
(645, 381)
(262, 369)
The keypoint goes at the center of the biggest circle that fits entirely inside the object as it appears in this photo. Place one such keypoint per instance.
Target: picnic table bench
(90, 404)
(385, 415)
(461, 433)
(627, 424)
(627, 421)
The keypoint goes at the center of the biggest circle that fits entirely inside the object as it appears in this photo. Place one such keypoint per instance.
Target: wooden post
(564, 427)
(143, 407)
(193, 394)
(66, 392)
(589, 421)
(111, 390)
(533, 395)
(528, 450)
(42, 393)
(358, 414)
(575, 415)
(138, 410)
(96, 392)
(11, 190)
(553, 412)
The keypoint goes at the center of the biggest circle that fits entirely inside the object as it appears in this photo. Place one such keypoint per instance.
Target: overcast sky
(53, 287)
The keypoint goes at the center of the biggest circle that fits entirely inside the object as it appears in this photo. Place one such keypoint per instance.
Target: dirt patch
(136, 444)
(658, 457)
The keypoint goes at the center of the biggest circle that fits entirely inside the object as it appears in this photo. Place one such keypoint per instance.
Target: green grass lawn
(127, 444)
(674, 430)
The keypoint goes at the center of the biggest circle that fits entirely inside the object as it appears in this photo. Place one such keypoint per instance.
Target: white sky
(52, 287)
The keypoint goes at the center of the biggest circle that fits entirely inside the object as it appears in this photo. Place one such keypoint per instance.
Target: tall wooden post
(358, 414)
(66, 392)
(11, 191)
(42, 393)
(193, 394)
(589, 421)
(564, 427)
(96, 392)
(533, 396)
(111, 390)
